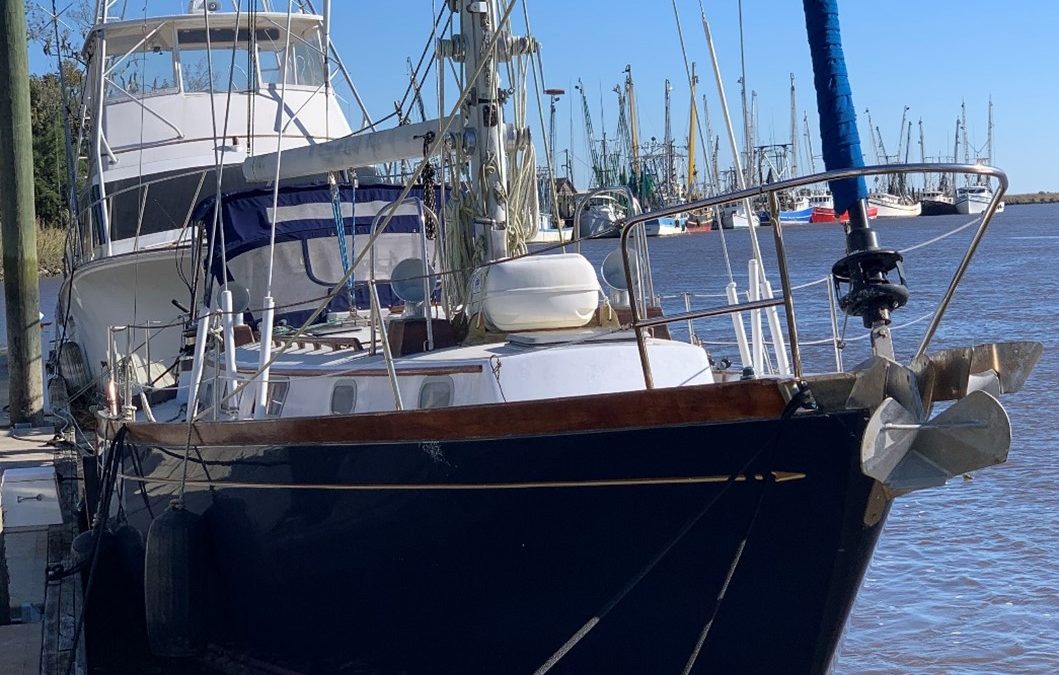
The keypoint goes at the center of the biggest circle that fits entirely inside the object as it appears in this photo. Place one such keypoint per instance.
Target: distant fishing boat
(894, 206)
(972, 199)
(822, 214)
(665, 226)
(937, 203)
(734, 217)
(549, 233)
(796, 217)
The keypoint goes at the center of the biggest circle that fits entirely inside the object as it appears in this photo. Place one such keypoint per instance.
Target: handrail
(635, 222)
(720, 310)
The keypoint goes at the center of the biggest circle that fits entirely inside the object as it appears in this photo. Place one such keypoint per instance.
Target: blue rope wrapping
(834, 101)
(340, 229)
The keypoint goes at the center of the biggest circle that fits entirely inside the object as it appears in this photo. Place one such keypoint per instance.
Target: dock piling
(18, 221)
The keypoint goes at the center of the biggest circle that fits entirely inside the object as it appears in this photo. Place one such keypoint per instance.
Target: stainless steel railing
(636, 223)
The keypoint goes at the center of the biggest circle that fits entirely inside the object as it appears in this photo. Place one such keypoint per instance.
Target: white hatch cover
(29, 498)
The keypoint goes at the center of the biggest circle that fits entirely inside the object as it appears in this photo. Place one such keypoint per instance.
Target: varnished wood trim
(727, 402)
(370, 372)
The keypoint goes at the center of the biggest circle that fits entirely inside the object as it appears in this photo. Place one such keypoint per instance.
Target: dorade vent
(537, 293)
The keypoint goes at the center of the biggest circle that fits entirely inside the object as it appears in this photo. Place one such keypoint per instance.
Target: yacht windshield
(231, 55)
(141, 73)
(222, 59)
(306, 60)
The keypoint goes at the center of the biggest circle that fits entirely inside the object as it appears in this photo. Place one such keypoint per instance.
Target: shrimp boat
(974, 199)
(397, 442)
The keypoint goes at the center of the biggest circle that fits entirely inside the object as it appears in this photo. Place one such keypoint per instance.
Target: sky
(926, 54)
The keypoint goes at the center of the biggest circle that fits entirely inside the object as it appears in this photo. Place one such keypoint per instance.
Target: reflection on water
(966, 577)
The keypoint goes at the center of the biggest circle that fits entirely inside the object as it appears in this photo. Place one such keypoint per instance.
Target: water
(966, 577)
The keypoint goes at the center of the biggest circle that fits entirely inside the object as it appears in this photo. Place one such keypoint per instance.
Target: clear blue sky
(925, 54)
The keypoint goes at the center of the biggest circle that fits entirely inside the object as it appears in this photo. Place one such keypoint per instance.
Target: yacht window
(231, 60)
(344, 397)
(146, 71)
(277, 396)
(436, 393)
(306, 57)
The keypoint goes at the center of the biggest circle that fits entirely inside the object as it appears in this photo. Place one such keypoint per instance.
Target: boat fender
(174, 583)
(82, 547)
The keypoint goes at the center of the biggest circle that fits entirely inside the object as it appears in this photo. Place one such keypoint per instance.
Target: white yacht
(972, 199)
(600, 217)
(153, 109)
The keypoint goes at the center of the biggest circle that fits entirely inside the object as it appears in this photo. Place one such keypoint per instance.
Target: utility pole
(553, 198)
(18, 219)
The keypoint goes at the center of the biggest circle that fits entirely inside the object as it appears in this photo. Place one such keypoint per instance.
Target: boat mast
(871, 132)
(692, 124)
(794, 131)
(711, 149)
(923, 153)
(809, 143)
(753, 155)
(989, 136)
(484, 109)
(747, 133)
(966, 145)
(900, 136)
(667, 143)
(956, 150)
(590, 137)
(634, 133)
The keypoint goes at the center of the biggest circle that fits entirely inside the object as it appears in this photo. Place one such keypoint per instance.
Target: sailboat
(397, 442)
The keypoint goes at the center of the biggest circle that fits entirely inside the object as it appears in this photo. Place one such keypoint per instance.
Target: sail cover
(834, 101)
(307, 263)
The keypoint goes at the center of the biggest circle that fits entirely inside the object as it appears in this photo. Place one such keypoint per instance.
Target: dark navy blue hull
(543, 534)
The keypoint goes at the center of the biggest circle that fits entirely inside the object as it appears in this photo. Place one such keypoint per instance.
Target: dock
(39, 490)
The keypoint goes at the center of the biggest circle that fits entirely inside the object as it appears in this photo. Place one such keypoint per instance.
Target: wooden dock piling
(18, 220)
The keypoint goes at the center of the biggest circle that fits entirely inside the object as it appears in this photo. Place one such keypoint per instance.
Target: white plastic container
(29, 499)
(537, 293)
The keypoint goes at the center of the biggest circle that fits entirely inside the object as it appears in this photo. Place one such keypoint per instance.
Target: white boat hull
(890, 208)
(136, 288)
(974, 204)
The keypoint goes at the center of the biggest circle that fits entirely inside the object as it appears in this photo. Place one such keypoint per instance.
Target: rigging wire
(449, 120)
(698, 122)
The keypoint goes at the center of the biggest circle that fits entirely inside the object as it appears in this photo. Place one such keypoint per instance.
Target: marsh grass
(51, 242)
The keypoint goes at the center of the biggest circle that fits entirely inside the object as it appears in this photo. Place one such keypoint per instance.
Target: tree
(50, 173)
(73, 24)
(59, 34)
